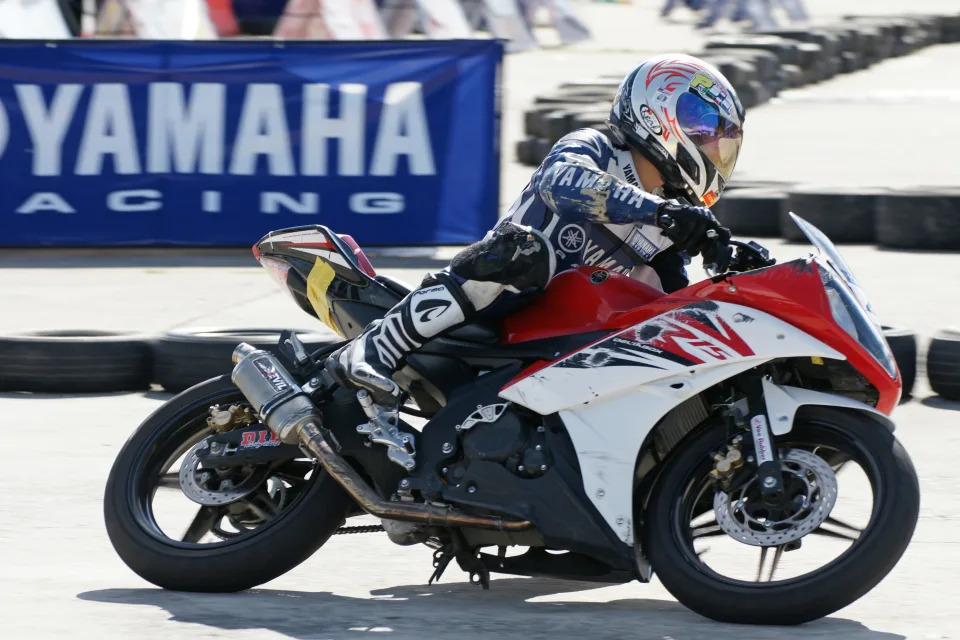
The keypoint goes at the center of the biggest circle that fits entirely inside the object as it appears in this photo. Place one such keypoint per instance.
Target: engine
(499, 433)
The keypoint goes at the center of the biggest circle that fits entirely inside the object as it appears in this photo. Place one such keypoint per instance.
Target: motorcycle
(605, 432)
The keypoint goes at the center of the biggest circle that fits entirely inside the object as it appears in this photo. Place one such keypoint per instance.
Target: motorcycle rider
(675, 134)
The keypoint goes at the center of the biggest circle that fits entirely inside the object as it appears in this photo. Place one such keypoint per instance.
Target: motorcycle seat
(481, 331)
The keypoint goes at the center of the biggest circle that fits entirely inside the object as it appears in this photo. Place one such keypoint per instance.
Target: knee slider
(513, 255)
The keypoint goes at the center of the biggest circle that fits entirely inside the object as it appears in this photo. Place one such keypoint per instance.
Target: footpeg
(383, 428)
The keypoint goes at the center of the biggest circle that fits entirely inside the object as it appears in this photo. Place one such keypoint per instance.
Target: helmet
(685, 118)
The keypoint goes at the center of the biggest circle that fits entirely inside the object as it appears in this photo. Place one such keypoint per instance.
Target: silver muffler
(276, 397)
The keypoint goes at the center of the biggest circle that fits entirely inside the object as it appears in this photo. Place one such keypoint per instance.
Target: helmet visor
(717, 137)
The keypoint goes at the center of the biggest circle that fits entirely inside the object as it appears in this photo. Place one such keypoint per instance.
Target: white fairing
(611, 394)
(783, 402)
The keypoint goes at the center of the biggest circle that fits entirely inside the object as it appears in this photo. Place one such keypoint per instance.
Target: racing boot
(370, 360)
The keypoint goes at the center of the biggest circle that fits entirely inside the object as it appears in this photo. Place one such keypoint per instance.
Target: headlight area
(855, 320)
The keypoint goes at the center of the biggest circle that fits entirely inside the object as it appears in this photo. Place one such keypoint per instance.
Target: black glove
(688, 226)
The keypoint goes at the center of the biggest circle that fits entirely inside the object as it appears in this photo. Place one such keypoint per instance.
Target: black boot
(371, 359)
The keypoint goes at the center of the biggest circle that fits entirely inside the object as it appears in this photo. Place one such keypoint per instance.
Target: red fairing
(791, 292)
(579, 300)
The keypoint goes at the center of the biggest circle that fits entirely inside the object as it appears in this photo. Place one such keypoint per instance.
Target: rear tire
(274, 548)
(807, 597)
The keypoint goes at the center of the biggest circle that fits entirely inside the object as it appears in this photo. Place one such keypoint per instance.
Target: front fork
(768, 460)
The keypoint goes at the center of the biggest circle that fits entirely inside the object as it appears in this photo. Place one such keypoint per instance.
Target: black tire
(919, 218)
(903, 344)
(845, 215)
(185, 357)
(807, 597)
(943, 364)
(74, 362)
(751, 212)
(273, 549)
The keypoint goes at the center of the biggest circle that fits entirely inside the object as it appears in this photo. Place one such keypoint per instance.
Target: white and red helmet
(686, 118)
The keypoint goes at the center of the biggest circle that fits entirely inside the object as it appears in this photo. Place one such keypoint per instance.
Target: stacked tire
(104, 361)
(943, 364)
(758, 65)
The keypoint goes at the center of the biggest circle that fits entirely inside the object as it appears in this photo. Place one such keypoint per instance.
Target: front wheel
(850, 508)
(261, 520)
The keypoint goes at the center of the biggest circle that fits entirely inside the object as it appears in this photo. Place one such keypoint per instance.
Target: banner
(216, 143)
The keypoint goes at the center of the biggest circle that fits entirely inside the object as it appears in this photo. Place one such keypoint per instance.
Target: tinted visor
(717, 138)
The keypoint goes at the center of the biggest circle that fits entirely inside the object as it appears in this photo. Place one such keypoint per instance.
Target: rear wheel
(853, 501)
(259, 521)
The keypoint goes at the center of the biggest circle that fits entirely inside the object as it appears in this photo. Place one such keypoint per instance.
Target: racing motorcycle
(704, 436)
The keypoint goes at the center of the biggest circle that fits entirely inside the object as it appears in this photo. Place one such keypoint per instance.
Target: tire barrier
(919, 218)
(751, 212)
(185, 357)
(759, 65)
(903, 344)
(845, 215)
(943, 364)
(74, 362)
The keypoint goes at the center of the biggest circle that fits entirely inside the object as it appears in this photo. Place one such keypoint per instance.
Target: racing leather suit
(583, 206)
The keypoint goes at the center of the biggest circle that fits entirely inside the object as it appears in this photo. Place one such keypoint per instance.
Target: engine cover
(496, 441)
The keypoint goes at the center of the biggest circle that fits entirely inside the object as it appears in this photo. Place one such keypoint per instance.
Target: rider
(675, 133)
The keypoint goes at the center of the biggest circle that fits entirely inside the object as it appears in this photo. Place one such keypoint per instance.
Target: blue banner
(216, 143)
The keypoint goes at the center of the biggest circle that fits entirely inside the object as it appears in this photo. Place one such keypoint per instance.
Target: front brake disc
(737, 516)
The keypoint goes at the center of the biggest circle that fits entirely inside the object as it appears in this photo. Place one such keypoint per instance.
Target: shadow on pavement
(461, 610)
(940, 403)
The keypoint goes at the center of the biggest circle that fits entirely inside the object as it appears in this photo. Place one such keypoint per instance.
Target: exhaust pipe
(288, 411)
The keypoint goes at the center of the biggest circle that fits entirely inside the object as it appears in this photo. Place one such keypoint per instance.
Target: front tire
(268, 551)
(896, 500)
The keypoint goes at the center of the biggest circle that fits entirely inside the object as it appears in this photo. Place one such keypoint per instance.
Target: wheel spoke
(202, 523)
(820, 531)
(843, 525)
(776, 560)
(707, 530)
(169, 481)
(763, 556)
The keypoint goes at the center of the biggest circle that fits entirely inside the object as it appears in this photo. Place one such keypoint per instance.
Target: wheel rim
(706, 544)
(162, 509)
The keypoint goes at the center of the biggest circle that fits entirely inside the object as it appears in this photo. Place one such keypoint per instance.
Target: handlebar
(727, 254)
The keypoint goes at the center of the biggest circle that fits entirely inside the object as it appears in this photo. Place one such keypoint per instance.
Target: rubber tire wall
(943, 364)
(903, 344)
(74, 362)
(185, 357)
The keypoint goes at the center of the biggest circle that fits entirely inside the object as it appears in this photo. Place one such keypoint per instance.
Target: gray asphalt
(59, 577)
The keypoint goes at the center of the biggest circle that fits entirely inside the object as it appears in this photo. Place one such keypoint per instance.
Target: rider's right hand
(688, 226)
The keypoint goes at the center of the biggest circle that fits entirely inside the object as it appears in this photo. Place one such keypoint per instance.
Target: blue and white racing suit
(586, 198)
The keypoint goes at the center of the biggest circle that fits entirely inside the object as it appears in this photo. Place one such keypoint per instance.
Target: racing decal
(271, 374)
(640, 243)
(761, 438)
(571, 238)
(712, 92)
(674, 73)
(691, 335)
(650, 119)
(710, 198)
(257, 439)
(431, 304)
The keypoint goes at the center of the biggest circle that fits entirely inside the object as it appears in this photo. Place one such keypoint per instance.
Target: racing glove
(687, 227)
